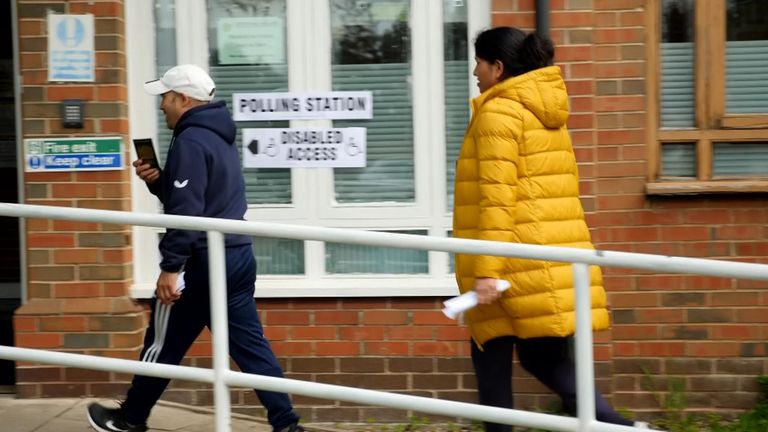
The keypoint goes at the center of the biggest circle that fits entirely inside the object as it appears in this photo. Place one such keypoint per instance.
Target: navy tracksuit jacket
(203, 177)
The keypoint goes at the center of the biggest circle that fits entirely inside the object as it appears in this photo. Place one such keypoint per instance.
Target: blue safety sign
(71, 53)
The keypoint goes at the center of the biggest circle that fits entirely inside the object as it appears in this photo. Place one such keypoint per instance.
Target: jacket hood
(541, 91)
(213, 116)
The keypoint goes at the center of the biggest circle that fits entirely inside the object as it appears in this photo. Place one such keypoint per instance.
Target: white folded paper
(180, 284)
(457, 305)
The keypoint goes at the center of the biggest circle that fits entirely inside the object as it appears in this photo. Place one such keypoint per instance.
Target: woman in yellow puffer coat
(517, 181)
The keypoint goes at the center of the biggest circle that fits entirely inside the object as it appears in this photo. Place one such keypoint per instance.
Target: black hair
(518, 52)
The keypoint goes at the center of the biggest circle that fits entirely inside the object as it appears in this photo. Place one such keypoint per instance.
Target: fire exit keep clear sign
(73, 154)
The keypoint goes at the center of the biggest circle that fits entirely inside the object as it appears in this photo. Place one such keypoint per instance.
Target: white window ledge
(353, 286)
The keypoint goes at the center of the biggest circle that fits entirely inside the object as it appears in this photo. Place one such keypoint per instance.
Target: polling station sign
(73, 154)
(302, 106)
(304, 148)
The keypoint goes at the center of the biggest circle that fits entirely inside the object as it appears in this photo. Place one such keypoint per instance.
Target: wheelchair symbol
(271, 148)
(351, 148)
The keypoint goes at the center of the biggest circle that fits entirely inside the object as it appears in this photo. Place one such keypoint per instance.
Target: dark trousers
(173, 329)
(547, 359)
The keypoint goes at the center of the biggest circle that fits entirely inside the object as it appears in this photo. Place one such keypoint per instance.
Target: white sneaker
(641, 425)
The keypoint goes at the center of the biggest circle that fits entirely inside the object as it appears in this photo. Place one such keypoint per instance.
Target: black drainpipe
(542, 18)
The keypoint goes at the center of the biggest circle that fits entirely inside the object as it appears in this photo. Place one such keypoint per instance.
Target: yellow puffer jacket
(517, 181)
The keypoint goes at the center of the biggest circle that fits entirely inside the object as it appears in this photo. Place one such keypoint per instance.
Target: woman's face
(487, 73)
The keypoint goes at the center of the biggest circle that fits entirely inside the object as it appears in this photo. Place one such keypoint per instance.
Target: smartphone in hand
(145, 150)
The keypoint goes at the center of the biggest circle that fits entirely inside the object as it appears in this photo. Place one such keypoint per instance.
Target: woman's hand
(486, 290)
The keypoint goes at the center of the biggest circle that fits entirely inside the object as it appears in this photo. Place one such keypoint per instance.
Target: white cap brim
(155, 87)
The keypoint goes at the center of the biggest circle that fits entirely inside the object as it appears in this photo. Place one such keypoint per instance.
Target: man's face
(172, 105)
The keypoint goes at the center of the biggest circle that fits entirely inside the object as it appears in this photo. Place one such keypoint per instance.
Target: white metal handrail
(222, 377)
(655, 263)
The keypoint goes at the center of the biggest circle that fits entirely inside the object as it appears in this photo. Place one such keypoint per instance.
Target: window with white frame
(414, 56)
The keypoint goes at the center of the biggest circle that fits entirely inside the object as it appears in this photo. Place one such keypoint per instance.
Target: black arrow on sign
(253, 146)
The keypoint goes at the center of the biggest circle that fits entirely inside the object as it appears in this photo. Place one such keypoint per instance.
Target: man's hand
(146, 172)
(486, 290)
(166, 287)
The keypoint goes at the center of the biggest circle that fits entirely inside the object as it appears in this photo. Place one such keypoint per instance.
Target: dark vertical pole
(542, 18)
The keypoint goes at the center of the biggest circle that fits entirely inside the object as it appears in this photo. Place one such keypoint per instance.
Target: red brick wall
(78, 272)
(403, 345)
(707, 333)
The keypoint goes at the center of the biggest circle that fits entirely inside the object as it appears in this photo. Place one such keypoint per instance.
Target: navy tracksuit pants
(547, 359)
(173, 329)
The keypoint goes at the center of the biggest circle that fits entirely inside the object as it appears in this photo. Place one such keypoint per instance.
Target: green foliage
(675, 419)
(756, 419)
(672, 401)
(416, 424)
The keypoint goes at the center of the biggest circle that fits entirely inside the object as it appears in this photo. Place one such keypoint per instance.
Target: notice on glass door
(251, 40)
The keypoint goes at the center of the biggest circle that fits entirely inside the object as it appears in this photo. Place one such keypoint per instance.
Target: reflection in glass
(370, 32)
(740, 159)
(677, 21)
(371, 52)
(165, 58)
(678, 160)
(677, 64)
(344, 258)
(278, 256)
(456, 88)
(452, 257)
(746, 57)
(248, 54)
(746, 20)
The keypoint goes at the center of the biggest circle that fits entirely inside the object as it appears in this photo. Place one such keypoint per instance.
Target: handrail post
(585, 373)
(217, 269)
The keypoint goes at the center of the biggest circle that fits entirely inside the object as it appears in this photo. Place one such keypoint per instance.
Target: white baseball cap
(188, 79)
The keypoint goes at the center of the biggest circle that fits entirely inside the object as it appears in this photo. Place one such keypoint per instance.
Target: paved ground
(68, 415)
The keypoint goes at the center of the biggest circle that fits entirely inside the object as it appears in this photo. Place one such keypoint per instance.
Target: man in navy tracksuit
(202, 177)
